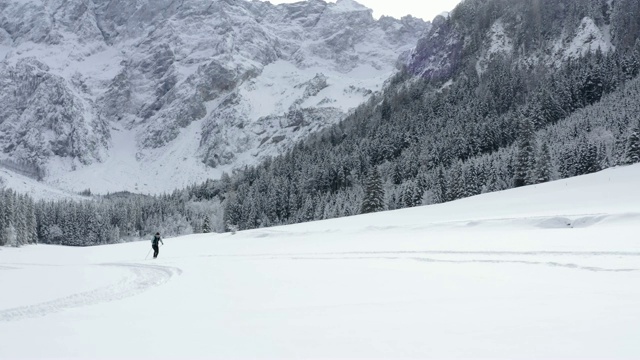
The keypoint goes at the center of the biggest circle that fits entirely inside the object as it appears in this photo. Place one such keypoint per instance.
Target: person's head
(157, 234)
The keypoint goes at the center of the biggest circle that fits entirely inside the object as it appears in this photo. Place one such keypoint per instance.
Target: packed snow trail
(143, 277)
(413, 256)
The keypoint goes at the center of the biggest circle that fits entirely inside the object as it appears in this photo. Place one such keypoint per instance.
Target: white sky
(425, 9)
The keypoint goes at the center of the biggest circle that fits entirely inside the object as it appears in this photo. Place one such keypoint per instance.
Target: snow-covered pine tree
(472, 177)
(374, 194)
(20, 220)
(8, 201)
(308, 210)
(592, 89)
(411, 195)
(543, 165)
(633, 146)
(587, 157)
(3, 220)
(11, 236)
(232, 211)
(32, 223)
(440, 189)
(525, 157)
(206, 225)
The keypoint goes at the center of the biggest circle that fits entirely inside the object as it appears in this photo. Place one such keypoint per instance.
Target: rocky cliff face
(110, 94)
(546, 32)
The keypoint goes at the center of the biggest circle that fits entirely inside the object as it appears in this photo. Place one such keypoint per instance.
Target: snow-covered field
(548, 271)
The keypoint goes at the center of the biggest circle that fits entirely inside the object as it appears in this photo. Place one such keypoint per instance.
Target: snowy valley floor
(548, 271)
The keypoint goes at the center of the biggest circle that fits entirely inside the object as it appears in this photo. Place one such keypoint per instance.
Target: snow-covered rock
(516, 30)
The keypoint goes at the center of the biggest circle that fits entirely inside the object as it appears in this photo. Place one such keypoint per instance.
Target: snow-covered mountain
(152, 95)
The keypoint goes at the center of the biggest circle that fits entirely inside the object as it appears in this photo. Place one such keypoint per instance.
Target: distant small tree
(85, 192)
(374, 194)
(206, 225)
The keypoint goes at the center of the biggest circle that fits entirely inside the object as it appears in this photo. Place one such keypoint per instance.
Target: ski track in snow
(441, 252)
(144, 277)
(476, 261)
(568, 221)
(411, 255)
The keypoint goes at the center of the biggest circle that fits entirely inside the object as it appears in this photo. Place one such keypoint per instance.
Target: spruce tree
(472, 177)
(441, 189)
(3, 222)
(411, 195)
(633, 146)
(587, 158)
(206, 225)
(543, 165)
(525, 156)
(458, 182)
(374, 194)
(11, 236)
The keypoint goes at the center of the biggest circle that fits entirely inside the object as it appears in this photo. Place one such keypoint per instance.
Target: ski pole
(148, 254)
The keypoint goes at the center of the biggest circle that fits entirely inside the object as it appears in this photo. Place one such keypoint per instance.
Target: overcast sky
(425, 9)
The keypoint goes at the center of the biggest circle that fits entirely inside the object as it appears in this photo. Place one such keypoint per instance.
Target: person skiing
(154, 244)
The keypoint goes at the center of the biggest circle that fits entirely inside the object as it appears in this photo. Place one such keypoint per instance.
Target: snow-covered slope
(119, 95)
(36, 189)
(546, 271)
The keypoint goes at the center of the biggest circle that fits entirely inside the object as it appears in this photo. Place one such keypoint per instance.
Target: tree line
(110, 219)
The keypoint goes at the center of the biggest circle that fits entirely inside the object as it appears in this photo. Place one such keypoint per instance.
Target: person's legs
(156, 250)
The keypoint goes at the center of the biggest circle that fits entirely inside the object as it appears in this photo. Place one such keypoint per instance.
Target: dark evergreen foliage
(633, 146)
(526, 156)
(206, 225)
(17, 219)
(374, 194)
(543, 165)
